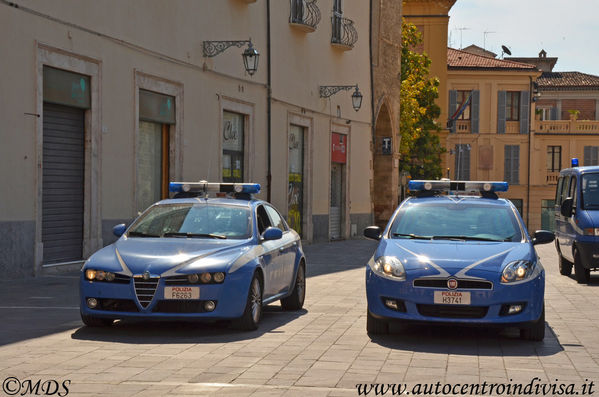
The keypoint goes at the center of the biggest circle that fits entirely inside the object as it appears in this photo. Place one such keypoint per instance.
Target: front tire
(537, 331)
(92, 321)
(253, 307)
(565, 266)
(295, 301)
(582, 275)
(376, 326)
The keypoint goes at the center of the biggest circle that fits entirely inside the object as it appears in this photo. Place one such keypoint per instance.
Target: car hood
(163, 256)
(460, 259)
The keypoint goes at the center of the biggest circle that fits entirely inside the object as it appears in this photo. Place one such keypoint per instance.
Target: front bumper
(589, 253)
(120, 300)
(487, 307)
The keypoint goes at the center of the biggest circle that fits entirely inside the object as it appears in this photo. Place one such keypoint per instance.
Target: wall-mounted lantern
(250, 55)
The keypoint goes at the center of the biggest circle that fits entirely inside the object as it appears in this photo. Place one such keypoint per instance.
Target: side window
(276, 219)
(564, 193)
(572, 192)
(262, 219)
(558, 191)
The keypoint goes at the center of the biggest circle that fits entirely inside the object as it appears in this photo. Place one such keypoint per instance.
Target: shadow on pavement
(450, 339)
(168, 332)
(338, 256)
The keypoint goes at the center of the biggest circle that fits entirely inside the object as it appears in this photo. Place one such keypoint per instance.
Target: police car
(449, 256)
(197, 256)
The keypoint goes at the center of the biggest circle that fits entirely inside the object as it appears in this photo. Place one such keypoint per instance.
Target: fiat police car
(447, 256)
(197, 256)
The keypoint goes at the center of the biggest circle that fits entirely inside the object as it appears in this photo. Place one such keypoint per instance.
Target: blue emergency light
(574, 162)
(457, 186)
(206, 187)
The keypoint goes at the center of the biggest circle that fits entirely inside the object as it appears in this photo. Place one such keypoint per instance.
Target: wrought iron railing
(344, 31)
(305, 12)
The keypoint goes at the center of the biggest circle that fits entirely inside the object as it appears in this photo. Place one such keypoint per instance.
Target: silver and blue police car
(447, 256)
(197, 257)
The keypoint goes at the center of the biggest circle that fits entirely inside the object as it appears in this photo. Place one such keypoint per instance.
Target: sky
(566, 29)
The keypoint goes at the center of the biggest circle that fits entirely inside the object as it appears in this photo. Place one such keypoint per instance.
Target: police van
(577, 221)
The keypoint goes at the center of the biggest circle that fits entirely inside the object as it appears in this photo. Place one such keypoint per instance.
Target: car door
(287, 250)
(270, 254)
(570, 227)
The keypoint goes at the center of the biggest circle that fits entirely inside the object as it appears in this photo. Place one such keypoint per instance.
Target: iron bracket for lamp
(215, 47)
(329, 90)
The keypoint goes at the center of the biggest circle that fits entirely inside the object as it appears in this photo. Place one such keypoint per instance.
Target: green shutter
(501, 112)
(475, 106)
(524, 111)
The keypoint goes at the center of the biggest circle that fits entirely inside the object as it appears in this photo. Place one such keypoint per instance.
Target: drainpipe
(268, 106)
(529, 152)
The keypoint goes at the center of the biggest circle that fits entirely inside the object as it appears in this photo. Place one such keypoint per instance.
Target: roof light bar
(458, 186)
(206, 187)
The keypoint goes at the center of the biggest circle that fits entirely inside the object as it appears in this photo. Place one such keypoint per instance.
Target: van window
(558, 191)
(590, 192)
(564, 193)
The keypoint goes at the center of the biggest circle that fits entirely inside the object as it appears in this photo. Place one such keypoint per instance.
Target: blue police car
(449, 256)
(197, 257)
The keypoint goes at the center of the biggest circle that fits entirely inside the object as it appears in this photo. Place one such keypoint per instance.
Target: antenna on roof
(485, 38)
(505, 50)
(461, 33)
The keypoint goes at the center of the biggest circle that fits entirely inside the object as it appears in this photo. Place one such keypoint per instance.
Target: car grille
(117, 305)
(450, 311)
(462, 284)
(179, 306)
(145, 290)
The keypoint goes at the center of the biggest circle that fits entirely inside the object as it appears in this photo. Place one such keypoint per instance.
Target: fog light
(92, 303)
(514, 309)
(90, 274)
(219, 277)
(391, 304)
(109, 276)
(193, 278)
(206, 277)
(209, 306)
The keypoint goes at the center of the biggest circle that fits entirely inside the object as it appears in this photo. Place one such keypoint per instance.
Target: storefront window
(233, 147)
(295, 195)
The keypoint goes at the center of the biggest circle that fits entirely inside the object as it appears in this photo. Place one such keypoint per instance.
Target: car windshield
(193, 221)
(456, 221)
(590, 191)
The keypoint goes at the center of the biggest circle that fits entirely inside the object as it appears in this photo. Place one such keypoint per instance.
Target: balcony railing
(568, 126)
(344, 34)
(552, 177)
(512, 127)
(305, 14)
(462, 126)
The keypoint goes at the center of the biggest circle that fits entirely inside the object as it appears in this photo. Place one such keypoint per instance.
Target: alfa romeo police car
(197, 256)
(449, 256)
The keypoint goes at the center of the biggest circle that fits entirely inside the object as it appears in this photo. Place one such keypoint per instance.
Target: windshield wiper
(194, 235)
(463, 238)
(140, 234)
(412, 235)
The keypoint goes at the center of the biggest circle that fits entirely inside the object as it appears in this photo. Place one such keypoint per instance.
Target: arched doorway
(385, 184)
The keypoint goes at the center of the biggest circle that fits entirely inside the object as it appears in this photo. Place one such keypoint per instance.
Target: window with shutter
(462, 162)
(453, 105)
(475, 111)
(591, 155)
(501, 112)
(512, 164)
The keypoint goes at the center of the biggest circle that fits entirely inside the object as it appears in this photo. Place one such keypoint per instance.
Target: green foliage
(420, 148)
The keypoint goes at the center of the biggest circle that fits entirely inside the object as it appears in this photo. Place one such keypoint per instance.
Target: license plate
(452, 298)
(181, 292)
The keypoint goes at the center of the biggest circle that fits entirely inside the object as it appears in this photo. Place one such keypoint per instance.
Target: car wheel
(295, 301)
(565, 266)
(582, 275)
(537, 331)
(376, 326)
(253, 307)
(92, 321)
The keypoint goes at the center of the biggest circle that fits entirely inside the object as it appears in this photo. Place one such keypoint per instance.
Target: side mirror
(272, 233)
(119, 229)
(543, 237)
(373, 232)
(566, 208)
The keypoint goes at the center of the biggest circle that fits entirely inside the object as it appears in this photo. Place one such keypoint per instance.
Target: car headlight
(389, 267)
(518, 271)
(99, 275)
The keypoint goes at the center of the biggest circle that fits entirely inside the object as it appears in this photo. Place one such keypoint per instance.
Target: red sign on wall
(339, 148)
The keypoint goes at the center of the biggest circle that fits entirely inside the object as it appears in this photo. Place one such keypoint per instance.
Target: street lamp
(250, 55)
(329, 90)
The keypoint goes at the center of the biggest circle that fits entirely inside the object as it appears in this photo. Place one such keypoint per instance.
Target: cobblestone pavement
(321, 351)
